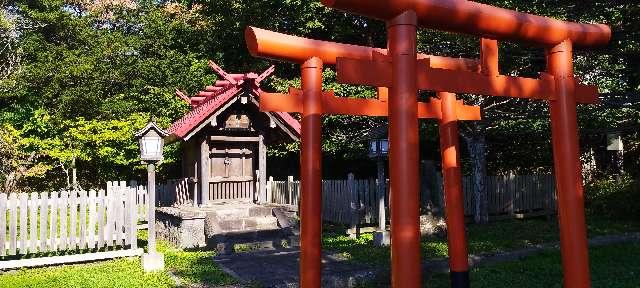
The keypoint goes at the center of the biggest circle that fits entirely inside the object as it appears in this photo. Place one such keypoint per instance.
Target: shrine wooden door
(232, 168)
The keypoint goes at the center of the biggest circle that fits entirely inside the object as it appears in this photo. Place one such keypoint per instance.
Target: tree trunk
(74, 175)
(477, 150)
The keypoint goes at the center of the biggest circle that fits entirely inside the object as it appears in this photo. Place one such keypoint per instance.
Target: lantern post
(378, 150)
(151, 140)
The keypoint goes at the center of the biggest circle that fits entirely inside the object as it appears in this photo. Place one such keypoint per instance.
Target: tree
(94, 65)
(15, 163)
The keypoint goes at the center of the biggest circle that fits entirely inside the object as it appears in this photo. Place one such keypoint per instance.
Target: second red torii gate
(269, 44)
(403, 17)
(312, 102)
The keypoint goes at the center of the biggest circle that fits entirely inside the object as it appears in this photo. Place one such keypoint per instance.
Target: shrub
(615, 198)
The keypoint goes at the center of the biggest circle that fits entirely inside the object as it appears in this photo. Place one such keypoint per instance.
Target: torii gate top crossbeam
(283, 47)
(468, 17)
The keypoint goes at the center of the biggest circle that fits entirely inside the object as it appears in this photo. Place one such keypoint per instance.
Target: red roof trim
(292, 122)
(191, 120)
(208, 102)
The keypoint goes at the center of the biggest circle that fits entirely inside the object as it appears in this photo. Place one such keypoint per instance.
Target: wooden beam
(274, 121)
(292, 102)
(204, 172)
(262, 170)
(221, 72)
(234, 138)
(377, 73)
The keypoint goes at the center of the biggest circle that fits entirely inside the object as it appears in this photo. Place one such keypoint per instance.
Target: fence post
(290, 190)
(34, 204)
(133, 216)
(269, 190)
(380, 192)
(24, 200)
(355, 205)
(44, 213)
(549, 199)
(511, 193)
(13, 223)
(3, 223)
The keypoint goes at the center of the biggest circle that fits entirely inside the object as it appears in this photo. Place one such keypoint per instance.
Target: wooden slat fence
(514, 194)
(87, 225)
(342, 199)
(174, 192)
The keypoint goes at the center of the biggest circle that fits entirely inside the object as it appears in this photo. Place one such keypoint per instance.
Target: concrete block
(230, 225)
(260, 211)
(152, 262)
(182, 228)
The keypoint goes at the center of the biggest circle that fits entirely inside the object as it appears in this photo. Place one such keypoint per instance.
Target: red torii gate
(270, 44)
(403, 17)
(492, 23)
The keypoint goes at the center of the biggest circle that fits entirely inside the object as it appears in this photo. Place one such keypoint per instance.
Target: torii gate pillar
(564, 129)
(311, 175)
(454, 197)
(403, 152)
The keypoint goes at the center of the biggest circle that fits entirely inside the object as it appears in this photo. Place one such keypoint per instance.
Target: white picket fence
(174, 192)
(140, 192)
(86, 225)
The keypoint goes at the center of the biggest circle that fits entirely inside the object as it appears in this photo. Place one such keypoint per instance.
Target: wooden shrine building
(225, 138)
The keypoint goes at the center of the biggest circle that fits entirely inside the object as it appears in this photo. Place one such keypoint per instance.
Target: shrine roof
(213, 99)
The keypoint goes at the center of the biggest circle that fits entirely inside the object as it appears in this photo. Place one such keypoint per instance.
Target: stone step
(241, 212)
(256, 240)
(242, 224)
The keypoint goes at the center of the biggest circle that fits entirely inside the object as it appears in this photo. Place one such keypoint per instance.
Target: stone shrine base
(223, 225)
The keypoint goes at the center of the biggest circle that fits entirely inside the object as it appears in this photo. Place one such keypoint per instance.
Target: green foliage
(98, 146)
(616, 198)
(101, 63)
(15, 162)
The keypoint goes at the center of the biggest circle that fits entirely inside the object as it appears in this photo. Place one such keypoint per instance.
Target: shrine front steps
(246, 227)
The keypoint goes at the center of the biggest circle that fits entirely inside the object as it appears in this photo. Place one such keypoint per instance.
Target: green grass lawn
(612, 266)
(189, 266)
(615, 266)
(497, 236)
(125, 272)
